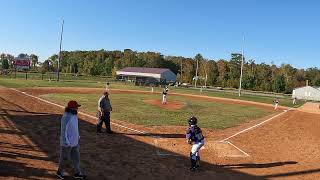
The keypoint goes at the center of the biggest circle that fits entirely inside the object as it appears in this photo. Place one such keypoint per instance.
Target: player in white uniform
(276, 103)
(164, 95)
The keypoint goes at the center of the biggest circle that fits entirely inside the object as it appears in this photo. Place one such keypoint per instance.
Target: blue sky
(279, 31)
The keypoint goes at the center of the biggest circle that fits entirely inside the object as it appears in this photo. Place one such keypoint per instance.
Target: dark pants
(106, 119)
(67, 153)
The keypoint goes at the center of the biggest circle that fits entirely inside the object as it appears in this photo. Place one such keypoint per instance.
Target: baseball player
(164, 95)
(107, 86)
(294, 101)
(196, 139)
(276, 103)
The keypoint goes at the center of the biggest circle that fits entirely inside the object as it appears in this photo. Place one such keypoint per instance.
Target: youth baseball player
(276, 103)
(164, 95)
(194, 137)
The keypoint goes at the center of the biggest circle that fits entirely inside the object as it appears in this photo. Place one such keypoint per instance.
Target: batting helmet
(193, 120)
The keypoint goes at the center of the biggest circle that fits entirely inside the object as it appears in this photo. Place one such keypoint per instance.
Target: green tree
(213, 73)
(5, 63)
(234, 70)
(34, 59)
(223, 72)
(279, 83)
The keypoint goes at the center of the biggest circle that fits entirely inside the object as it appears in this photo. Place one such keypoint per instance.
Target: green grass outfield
(131, 108)
(20, 83)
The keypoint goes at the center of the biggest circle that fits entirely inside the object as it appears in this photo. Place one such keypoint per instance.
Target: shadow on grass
(103, 156)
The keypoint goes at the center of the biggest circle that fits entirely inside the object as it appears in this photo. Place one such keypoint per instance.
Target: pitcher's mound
(171, 105)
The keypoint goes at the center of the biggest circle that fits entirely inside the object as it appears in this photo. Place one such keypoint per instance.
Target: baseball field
(245, 137)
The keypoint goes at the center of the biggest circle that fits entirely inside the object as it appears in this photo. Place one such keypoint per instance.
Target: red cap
(73, 104)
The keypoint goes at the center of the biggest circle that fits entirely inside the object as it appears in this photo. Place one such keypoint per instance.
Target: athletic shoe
(79, 176)
(193, 169)
(59, 175)
(109, 132)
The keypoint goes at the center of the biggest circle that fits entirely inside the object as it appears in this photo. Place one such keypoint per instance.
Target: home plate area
(174, 147)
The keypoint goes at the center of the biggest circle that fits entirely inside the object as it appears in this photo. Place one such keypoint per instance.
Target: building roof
(313, 87)
(145, 70)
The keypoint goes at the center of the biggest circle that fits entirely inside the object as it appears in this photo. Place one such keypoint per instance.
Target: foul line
(43, 100)
(245, 130)
(115, 124)
(238, 148)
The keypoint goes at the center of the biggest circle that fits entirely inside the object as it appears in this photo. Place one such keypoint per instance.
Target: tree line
(221, 72)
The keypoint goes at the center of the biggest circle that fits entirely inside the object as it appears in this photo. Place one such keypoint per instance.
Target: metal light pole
(196, 78)
(60, 51)
(242, 59)
(181, 71)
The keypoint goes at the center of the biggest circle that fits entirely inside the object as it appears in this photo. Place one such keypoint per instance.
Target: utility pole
(196, 78)
(59, 59)
(206, 78)
(242, 59)
(181, 70)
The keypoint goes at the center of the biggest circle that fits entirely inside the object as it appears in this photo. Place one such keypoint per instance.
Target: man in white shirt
(69, 140)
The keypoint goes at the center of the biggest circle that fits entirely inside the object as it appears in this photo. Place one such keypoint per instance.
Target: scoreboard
(22, 64)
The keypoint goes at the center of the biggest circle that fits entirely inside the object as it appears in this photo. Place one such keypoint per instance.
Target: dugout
(146, 76)
(307, 93)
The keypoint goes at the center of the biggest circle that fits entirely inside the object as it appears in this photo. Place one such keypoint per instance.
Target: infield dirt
(287, 147)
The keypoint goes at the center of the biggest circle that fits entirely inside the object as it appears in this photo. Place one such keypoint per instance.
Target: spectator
(69, 140)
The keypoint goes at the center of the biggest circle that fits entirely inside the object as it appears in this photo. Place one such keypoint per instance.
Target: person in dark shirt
(194, 137)
(104, 109)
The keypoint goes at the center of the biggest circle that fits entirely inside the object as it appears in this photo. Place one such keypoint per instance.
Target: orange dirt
(287, 147)
(310, 108)
(171, 105)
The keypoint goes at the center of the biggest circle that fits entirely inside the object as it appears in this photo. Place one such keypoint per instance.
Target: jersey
(164, 92)
(194, 133)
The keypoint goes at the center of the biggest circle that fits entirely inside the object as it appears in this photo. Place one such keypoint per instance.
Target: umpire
(104, 108)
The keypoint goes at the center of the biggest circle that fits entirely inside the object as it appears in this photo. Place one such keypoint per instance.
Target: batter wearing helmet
(194, 137)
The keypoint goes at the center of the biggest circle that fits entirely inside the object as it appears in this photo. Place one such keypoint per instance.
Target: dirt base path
(284, 148)
(310, 107)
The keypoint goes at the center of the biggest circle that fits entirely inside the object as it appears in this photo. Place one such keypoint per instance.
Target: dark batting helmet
(193, 120)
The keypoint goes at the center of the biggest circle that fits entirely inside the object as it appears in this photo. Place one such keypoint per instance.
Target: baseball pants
(106, 119)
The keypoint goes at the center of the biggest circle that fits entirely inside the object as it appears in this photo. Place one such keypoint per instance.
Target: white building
(145, 76)
(307, 93)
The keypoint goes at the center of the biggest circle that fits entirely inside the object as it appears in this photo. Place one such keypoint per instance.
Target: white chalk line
(142, 132)
(245, 130)
(43, 100)
(115, 124)
(238, 148)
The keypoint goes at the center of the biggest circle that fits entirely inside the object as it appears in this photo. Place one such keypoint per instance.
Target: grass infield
(21, 83)
(131, 108)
